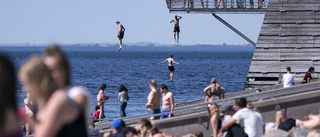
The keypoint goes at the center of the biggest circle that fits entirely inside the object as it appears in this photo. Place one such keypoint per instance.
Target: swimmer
(170, 65)
(120, 34)
(176, 27)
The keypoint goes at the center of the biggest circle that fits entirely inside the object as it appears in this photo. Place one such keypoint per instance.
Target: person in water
(176, 29)
(120, 34)
(170, 65)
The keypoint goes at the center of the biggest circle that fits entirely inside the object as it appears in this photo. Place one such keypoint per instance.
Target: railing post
(119, 108)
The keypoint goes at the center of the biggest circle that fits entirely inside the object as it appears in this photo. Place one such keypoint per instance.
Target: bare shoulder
(170, 93)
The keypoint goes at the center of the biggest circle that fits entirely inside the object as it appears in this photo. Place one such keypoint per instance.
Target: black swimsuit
(75, 129)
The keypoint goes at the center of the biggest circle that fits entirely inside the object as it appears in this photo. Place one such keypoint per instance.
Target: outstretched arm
(171, 21)
(175, 62)
(163, 61)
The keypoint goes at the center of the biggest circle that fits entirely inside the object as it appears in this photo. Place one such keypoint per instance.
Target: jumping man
(120, 34)
(176, 27)
(170, 65)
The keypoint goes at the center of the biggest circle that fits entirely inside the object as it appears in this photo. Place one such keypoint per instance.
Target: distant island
(138, 44)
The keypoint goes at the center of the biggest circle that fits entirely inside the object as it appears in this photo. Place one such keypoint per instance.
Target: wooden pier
(289, 37)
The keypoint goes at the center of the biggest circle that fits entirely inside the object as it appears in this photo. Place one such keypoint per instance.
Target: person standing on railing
(123, 97)
(176, 29)
(215, 91)
(288, 79)
(100, 97)
(167, 101)
(223, 4)
(154, 98)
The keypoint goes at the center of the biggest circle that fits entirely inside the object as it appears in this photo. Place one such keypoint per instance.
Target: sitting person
(288, 124)
(97, 113)
(215, 120)
(59, 115)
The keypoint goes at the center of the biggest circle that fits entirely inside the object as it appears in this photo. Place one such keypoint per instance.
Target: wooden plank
(284, 50)
(291, 45)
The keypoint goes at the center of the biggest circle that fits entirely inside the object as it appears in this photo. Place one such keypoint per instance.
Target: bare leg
(174, 35)
(215, 3)
(232, 2)
(223, 4)
(120, 43)
(101, 111)
(184, 4)
(171, 76)
(201, 1)
(264, 5)
(177, 37)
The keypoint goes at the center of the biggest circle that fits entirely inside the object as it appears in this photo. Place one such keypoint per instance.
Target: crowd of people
(238, 3)
(55, 107)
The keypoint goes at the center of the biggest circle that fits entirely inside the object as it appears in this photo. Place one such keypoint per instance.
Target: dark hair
(163, 86)
(176, 17)
(102, 87)
(154, 130)
(311, 69)
(123, 124)
(97, 107)
(7, 88)
(122, 88)
(56, 52)
(259, 90)
(171, 56)
(145, 122)
(198, 134)
(241, 102)
(288, 68)
(118, 22)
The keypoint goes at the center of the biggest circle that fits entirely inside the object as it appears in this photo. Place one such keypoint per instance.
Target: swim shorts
(288, 124)
(165, 116)
(171, 68)
(120, 36)
(176, 29)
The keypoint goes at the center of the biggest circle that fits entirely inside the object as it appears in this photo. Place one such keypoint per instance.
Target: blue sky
(81, 21)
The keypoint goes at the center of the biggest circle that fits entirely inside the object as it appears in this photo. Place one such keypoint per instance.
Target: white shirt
(287, 80)
(251, 121)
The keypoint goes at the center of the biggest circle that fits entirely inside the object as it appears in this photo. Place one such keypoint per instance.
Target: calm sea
(134, 67)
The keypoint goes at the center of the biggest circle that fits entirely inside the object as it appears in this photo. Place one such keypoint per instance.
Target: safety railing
(218, 5)
(250, 97)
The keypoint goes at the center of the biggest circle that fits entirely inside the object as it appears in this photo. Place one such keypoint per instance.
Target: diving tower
(289, 36)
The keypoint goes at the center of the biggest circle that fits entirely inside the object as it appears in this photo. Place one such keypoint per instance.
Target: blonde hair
(251, 106)
(38, 76)
(153, 83)
(213, 80)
